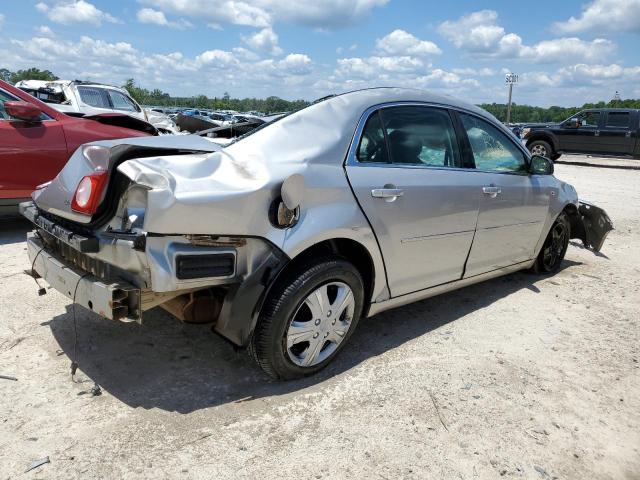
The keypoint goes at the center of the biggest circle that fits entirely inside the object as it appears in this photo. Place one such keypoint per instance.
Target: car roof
(381, 95)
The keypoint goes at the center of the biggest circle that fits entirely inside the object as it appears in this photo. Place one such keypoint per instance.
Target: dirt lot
(521, 376)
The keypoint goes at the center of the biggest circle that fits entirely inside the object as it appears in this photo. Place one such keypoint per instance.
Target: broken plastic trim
(590, 224)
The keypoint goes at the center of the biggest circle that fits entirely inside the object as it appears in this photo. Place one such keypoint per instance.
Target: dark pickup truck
(602, 131)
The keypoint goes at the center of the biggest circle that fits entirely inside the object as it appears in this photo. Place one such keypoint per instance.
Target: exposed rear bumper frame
(116, 300)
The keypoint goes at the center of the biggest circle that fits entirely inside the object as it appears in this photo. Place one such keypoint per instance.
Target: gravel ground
(522, 376)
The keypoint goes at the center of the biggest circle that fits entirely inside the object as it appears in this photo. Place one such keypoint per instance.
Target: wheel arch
(347, 248)
(545, 137)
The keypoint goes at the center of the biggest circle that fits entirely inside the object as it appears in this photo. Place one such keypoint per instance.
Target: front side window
(94, 97)
(588, 119)
(372, 146)
(492, 149)
(122, 102)
(4, 97)
(618, 119)
(420, 136)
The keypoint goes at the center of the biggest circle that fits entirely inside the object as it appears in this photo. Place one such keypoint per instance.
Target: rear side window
(372, 146)
(95, 97)
(492, 149)
(122, 102)
(420, 136)
(618, 119)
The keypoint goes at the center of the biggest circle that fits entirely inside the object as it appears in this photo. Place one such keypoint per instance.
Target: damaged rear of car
(279, 237)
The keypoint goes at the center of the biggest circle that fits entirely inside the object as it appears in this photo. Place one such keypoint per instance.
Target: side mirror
(541, 166)
(23, 111)
(572, 123)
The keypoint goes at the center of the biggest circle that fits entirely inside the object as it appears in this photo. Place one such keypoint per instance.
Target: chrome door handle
(493, 192)
(627, 133)
(597, 134)
(389, 194)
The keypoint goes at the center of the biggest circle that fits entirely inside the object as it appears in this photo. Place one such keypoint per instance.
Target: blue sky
(566, 53)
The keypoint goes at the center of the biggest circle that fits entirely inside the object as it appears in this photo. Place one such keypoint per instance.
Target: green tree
(5, 74)
(32, 74)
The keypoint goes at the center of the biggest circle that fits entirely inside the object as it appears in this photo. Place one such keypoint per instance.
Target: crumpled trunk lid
(55, 196)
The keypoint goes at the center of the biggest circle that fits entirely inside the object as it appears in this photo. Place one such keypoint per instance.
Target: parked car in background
(286, 236)
(37, 140)
(603, 131)
(75, 97)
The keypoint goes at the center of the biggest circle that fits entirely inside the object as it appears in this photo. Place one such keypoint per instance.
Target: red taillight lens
(89, 192)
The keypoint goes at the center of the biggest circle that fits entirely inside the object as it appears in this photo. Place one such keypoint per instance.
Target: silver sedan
(285, 237)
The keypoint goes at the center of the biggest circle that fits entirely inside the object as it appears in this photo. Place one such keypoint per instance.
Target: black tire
(540, 147)
(268, 345)
(555, 246)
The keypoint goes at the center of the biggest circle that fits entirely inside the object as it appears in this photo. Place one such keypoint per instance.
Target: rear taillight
(89, 193)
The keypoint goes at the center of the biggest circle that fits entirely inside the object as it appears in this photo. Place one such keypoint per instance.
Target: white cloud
(266, 40)
(400, 42)
(475, 32)
(45, 31)
(225, 11)
(328, 14)
(1, 20)
(156, 17)
(75, 11)
(210, 72)
(605, 15)
(479, 34)
(561, 49)
(480, 72)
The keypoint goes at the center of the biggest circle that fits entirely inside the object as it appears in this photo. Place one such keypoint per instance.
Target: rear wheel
(555, 246)
(540, 147)
(308, 318)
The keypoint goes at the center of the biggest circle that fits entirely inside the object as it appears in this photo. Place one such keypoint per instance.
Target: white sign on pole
(511, 78)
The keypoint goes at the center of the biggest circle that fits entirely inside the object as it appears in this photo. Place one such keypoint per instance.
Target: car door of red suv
(31, 153)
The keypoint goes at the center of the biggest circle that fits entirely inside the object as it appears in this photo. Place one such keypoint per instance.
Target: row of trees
(28, 74)
(529, 114)
(156, 97)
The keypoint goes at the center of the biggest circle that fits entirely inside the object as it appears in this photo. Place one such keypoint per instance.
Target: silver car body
(443, 232)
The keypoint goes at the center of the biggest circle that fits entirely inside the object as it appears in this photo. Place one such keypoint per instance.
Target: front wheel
(540, 147)
(308, 318)
(554, 247)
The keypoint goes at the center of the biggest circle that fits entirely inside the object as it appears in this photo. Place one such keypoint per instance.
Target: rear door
(31, 153)
(514, 204)
(617, 135)
(408, 175)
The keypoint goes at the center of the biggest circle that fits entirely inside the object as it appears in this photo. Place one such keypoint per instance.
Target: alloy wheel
(539, 150)
(555, 245)
(319, 324)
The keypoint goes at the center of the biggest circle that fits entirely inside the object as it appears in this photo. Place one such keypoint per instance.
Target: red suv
(36, 141)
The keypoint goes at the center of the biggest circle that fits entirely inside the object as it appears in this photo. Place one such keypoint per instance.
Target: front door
(31, 153)
(585, 137)
(514, 204)
(409, 178)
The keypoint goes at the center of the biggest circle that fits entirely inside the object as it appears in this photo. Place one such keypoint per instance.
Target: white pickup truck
(85, 98)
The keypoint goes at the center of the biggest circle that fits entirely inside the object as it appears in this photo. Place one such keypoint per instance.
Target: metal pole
(509, 104)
